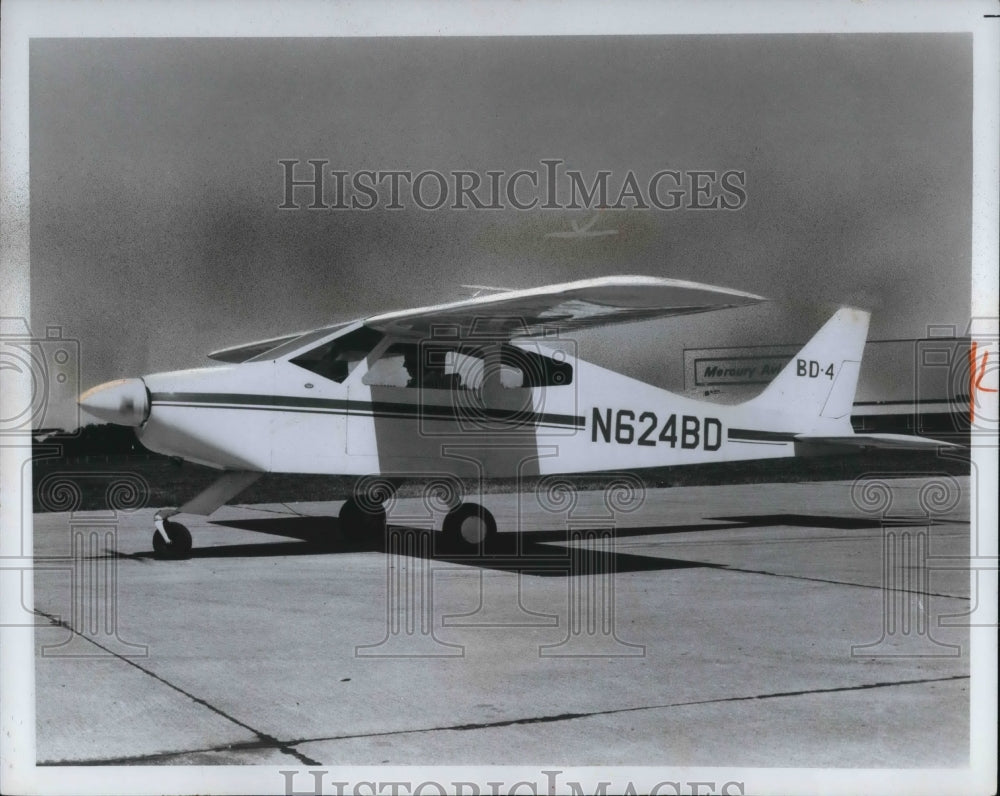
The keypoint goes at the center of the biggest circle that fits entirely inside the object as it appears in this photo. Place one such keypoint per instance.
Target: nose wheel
(171, 539)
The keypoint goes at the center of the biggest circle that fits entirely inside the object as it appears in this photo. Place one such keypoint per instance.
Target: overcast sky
(155, 182)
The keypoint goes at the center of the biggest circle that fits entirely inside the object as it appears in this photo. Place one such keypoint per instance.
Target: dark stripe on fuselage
(753, 435)
(377, 409)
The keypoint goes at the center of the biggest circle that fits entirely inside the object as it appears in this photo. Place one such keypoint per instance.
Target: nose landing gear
(170, 539)
(173, 540)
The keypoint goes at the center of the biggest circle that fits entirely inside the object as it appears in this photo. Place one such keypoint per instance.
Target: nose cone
(124, 402)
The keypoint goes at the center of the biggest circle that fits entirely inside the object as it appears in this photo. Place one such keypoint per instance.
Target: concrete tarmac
(752, 625)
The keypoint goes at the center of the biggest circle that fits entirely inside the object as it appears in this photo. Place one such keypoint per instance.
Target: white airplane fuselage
(276, 417)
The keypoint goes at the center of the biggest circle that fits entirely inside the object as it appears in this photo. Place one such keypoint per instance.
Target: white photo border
(23, 20)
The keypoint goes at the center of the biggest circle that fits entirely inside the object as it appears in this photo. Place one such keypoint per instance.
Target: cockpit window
(336, 358)
(295, 343)
(427, 366)
(441, 366)
(537, 370)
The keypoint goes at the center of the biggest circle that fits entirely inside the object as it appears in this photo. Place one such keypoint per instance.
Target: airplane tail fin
(817, 386)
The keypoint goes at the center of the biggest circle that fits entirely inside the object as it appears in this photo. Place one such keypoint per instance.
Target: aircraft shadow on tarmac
(557, 553)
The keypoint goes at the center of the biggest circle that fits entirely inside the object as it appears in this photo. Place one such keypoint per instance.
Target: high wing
(524, 313)
(243, 352)
(248, 351)
(564, 307)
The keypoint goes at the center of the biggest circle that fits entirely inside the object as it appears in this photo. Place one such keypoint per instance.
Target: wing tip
(663, 281)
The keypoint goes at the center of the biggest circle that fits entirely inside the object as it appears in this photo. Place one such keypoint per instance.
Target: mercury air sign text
(737, 370)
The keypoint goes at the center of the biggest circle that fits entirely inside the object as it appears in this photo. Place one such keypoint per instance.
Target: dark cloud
(156, 233)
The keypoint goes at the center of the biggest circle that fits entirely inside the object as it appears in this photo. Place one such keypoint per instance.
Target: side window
(336, 359)
(466, 368)
(535, 370)
(389, 370)
(463, 367)
(427, 366)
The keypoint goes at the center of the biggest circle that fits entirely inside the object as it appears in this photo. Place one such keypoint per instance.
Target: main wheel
(179, 545)
(364, 525)
(470, 528)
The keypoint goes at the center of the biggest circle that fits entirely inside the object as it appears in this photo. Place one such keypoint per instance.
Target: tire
(179, 545)
(362, 526)
(470, 529)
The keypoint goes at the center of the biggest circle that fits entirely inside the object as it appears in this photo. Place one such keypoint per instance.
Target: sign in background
(917, 385)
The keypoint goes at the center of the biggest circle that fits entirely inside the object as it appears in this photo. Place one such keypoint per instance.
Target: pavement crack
(634, 709)
(813, 578)
(556, 717)
(264, 738)
(265, 741)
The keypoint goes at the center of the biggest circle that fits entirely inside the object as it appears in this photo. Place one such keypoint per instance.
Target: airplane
(485, 387)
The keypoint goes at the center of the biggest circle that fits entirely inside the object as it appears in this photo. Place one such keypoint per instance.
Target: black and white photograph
(499, 398)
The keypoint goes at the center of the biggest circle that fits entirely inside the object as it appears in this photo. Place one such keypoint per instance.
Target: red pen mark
(976, 379)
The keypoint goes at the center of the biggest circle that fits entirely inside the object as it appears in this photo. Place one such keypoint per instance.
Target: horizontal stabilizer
(879, 441)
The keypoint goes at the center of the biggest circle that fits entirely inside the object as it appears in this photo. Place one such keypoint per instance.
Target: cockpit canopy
(434, 364)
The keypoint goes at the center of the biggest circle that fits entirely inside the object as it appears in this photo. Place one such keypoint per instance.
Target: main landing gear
(468, 528)
(362, 520)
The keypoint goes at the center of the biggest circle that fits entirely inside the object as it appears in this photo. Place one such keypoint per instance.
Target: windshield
(336, 358)
(296, 343)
